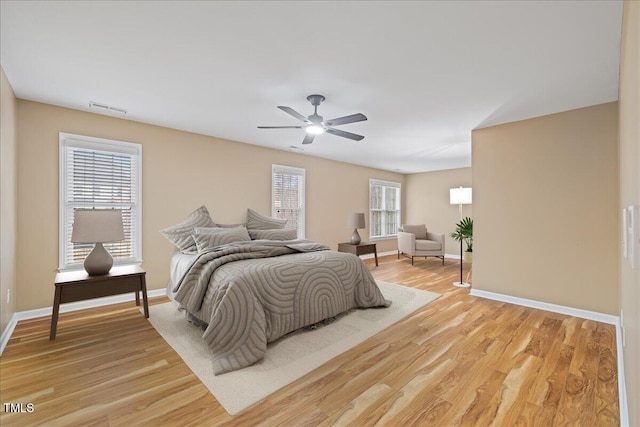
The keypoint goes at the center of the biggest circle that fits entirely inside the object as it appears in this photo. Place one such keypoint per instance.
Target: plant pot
(467, 256)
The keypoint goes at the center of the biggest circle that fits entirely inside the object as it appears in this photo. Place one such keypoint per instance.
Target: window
(384, 209)
(100, 174)
(287, 196)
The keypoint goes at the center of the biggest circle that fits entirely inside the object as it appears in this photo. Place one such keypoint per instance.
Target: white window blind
(384, 209)
(100, 174)
(287, 196)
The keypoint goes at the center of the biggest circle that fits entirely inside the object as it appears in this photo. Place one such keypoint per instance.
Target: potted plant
(464, 232)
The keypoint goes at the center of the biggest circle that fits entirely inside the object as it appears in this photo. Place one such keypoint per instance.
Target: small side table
(78, 285)
(360, 249)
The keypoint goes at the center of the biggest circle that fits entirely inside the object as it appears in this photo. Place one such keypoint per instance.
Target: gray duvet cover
(252, 293)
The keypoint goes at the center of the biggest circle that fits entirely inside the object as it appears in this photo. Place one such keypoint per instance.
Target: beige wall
(8, 199)
(181, 171)
(546, 208)
(630, 195)
(428, 196)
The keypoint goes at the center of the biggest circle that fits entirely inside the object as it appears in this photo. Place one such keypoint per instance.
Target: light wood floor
(460, 360)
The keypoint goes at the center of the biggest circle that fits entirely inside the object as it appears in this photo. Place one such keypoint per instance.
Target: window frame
(68, 140)
(302, 210)
(385, 184)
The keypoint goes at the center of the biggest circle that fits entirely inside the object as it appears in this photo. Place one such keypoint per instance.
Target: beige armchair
(415, 240)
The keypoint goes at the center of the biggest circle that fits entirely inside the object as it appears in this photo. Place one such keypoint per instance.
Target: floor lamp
(460, 196)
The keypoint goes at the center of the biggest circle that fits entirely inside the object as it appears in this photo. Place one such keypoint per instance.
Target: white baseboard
(368, 256)
(65, 308)
(8, 331)
(622, 387)
(569, 311)
(583, 314)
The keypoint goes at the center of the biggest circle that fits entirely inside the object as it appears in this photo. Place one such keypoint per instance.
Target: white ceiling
(424, 73)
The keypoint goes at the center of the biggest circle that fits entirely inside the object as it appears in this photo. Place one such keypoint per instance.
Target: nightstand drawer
(362, 248)
(79, 291)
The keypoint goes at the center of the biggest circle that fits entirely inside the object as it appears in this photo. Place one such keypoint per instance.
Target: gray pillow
(419, 230)
(277, 234)
(256, 221)
(180, 234)
(217, 228)
(222, 236)
(231, 225)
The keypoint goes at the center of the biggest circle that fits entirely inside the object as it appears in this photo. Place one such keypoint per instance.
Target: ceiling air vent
(108, 109)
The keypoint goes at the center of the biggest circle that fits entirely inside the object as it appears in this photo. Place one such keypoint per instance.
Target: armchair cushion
(427, 245)
(419, 230)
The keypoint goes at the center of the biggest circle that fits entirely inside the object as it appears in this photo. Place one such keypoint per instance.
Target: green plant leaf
(464, 231)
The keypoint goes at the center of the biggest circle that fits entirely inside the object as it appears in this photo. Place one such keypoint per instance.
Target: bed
(247, 294)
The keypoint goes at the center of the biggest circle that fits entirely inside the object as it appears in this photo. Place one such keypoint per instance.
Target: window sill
(380, 239)
(77, 267)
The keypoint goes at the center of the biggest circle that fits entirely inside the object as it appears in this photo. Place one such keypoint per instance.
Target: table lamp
(355, 221)
(97, 226)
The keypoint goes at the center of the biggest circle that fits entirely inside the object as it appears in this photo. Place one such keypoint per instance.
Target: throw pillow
(231, 225)
(276, 234)
(223, 236)
(217, 228)
(256, 221)
(180, 234)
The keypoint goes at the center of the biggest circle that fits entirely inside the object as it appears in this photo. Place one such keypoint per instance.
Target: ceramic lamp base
(98, 262)
(355, 237)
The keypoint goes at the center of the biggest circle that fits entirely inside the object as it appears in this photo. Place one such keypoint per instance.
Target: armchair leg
(398, 254)
(412, 260)
(443, 260)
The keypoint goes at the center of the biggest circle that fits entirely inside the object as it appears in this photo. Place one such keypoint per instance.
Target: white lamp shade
(97, 225)
(460, 196)
(355, 220)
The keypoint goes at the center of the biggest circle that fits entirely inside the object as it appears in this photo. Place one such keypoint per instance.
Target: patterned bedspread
(252, 293)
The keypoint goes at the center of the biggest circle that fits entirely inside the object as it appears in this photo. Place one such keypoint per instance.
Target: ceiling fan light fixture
(315, 129)
(316, 125)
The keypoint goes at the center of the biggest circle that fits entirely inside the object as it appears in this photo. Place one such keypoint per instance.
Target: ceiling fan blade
(346, 119)
(308, 138)
(281, 127)
(338, 132)
(294, 113)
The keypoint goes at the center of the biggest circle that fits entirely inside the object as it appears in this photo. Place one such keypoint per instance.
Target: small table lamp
(355, 221)
(97, 226)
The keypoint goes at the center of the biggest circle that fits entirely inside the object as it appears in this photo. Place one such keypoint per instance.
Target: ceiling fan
(315, 125)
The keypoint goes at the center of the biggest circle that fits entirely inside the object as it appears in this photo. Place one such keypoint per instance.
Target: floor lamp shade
(460, 196)
(355, 221)
(97, 226)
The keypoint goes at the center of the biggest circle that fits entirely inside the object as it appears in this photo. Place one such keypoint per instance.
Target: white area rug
(288, 358)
